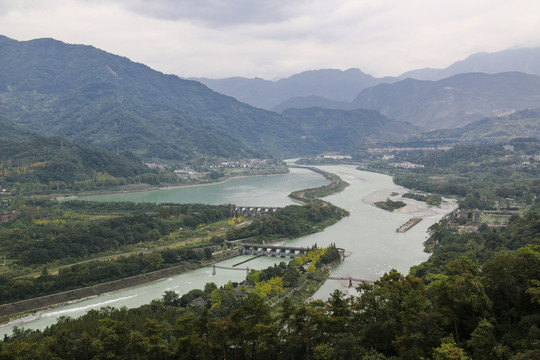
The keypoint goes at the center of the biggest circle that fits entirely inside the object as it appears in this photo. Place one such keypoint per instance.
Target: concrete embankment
(409, 224)
(49, 300)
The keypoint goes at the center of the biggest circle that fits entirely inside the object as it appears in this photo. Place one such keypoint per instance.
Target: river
(368, 235)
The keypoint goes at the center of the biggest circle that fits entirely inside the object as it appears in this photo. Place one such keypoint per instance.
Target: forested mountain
(525, 60)
(331, 88)
(91, 96)
(452, 102)
(29, 162)
(9, 131)
(330, 84)
(518, 124)
(304, 102)
(448, 103)
(337, 130)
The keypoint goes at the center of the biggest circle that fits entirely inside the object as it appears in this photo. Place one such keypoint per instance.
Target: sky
(273, 39)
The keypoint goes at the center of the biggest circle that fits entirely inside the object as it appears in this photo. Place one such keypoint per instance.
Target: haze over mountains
(525, 123)
(344, 86)
(452, 102)
(330, 84)
(90, 96)
(526, 60)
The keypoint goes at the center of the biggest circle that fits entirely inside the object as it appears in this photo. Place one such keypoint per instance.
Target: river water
(368, 235)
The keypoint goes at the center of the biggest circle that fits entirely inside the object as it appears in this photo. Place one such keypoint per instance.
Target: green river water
(368, 235)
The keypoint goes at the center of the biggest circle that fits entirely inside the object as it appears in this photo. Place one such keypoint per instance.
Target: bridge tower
(213, 270)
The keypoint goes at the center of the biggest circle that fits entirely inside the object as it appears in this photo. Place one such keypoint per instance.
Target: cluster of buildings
(188, 173)
(407, 165)
(156, 166)
(401, 149)
(246, 164)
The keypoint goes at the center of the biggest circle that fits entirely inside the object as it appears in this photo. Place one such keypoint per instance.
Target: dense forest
(49, 234)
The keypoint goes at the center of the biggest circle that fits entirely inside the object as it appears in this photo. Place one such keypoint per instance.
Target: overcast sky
(276, 38)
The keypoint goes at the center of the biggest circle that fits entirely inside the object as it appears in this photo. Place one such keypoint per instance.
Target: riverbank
(31, 305)
(412, 207)
(335, 186)
(368, 235)
(77, 294)
(138, 188)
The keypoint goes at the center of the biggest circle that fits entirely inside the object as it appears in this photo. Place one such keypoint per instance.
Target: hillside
(337, 130)
(304, 102)
(32, 163)
(91, 96)
(330, 84)
(525, 60)
(519, 124)
(452, 102)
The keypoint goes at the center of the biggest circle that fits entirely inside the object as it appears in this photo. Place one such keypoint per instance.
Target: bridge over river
(350, 279)
(273, 250)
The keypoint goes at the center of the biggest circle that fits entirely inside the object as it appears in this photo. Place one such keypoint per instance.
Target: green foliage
(465, 311)
(90, 96)
(31, 164)
(390, 205)
(483, 176)
(291, 221)
(431, 199)
(339, 130)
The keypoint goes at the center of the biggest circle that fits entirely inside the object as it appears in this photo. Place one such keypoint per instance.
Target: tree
(153, 261)
(449, 351)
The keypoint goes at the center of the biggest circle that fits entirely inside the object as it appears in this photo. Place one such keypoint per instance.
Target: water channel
(368, 235)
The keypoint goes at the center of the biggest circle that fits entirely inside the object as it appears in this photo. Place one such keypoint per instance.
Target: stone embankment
(23, 306)
(408, 225)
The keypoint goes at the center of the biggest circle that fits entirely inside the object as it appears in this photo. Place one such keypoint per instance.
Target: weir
(270, 250)
(250, 211)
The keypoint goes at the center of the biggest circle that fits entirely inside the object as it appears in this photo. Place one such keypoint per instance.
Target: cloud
(217, 13)
(276, 38)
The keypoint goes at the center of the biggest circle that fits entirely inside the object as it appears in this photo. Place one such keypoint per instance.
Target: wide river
(368, 235)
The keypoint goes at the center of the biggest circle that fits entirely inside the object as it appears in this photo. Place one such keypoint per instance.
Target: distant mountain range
(330, 84)
(447, 103)
(428, 105)
(339, 130)
(452, 102)
(525, 60)
(93, 97)
(524, 123)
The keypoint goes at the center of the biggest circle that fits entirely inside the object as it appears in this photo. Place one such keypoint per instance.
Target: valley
(119, 183)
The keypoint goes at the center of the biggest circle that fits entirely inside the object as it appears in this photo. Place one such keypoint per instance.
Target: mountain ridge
(90, 96)
(333, 84)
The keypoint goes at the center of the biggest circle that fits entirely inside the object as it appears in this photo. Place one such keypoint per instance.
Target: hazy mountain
(452, 102)
(304, 102)
(91, 96)
(524, 123)
(331, 84)
(10, 131)
(337, 130)
(522, 60)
